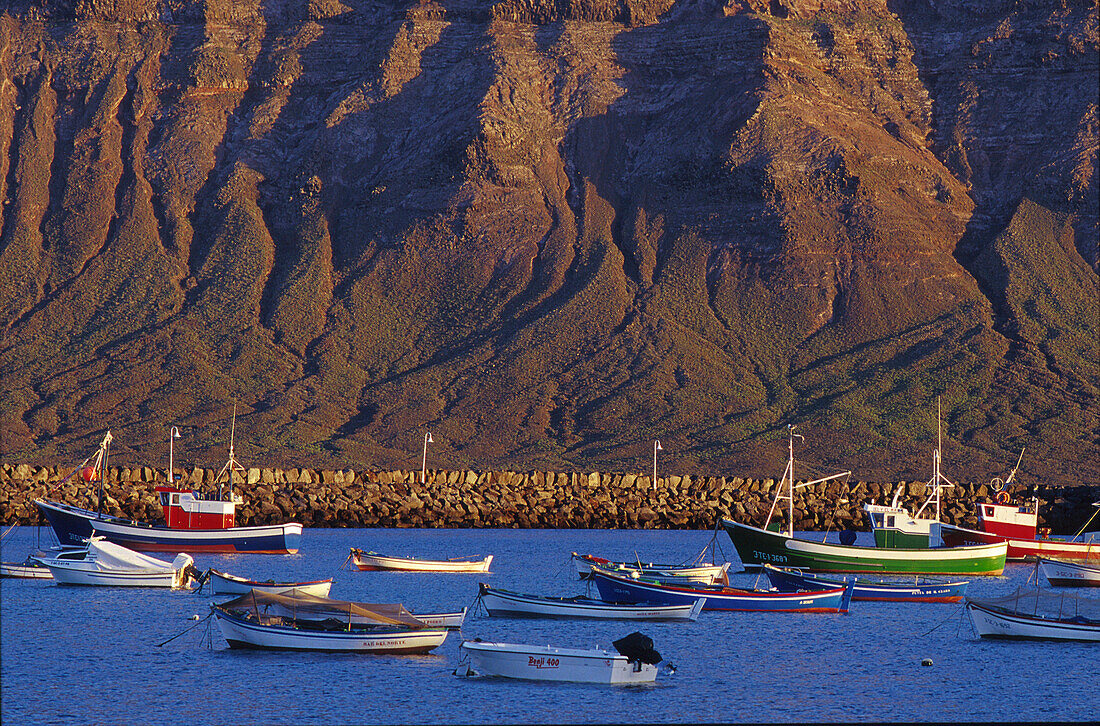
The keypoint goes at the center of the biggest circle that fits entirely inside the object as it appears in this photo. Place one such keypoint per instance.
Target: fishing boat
(505, 603)
(999, 521)
(549, 663)
(1036, 615)
(615, 588)
(294, 621)
(1065, 573)
(708, 574)
(915, 589)
(222, 583)
(368, 561)
(101, 562)
(193, 522)
(757, 546)
(1016, 524)
(30, 569)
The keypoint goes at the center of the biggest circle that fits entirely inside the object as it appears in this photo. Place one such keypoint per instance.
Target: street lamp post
(173, 434)
(424, 459)
(656, 448)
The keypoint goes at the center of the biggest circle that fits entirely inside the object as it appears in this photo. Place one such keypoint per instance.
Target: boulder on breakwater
(509, 499)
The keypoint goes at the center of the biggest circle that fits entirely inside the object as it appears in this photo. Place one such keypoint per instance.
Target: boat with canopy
(297, 621)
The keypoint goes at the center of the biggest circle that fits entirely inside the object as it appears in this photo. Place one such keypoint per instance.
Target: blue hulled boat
(917, 589)
(613, 588)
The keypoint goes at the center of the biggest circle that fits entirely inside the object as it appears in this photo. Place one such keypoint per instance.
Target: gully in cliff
(193, 523)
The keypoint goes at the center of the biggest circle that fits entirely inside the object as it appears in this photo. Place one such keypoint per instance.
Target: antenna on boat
(1012, 474)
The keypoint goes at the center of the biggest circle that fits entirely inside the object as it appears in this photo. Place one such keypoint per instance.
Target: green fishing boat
(758, 546)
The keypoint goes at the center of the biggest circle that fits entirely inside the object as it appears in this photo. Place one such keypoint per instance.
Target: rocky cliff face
(552, 232)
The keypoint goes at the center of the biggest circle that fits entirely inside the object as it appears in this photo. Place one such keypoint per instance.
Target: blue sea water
(80, 655)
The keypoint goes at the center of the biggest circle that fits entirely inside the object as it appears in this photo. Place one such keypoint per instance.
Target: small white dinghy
(367, 561)
(222, 583)
(635, 661)
(106, 563)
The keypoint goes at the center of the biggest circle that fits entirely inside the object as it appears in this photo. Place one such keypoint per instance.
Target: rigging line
(188, 630)
(952, 614)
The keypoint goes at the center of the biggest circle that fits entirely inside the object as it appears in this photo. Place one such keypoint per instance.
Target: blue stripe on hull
(617, 591)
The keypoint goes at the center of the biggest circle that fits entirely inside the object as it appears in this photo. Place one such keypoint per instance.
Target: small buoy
(194, 617)
(926, 662)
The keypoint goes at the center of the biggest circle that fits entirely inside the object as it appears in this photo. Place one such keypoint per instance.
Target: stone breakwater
(506, 499)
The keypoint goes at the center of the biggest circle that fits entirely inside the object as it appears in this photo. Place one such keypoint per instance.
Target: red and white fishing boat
(1018, 524)
(193, 522)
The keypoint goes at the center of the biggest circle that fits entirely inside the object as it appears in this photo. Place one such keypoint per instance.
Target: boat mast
(938, 481)
(100, 468)
(788, 480)
(232, 465)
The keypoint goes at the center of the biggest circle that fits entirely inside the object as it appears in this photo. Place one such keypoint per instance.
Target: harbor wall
(508, 499)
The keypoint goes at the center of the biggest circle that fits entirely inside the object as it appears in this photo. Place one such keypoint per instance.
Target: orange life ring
(1001, 497)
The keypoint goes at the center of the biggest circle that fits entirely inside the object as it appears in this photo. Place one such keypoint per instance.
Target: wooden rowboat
(367, 561)
(702, 573)
(1060, 573)
(30, 569)
(222, 583)
(504, 603)
(272, 621)
(1036, 615)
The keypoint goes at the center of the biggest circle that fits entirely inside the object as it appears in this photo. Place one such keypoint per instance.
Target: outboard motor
(638, 648)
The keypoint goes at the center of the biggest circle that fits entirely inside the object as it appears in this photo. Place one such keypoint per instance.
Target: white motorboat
(1036, 615)
(1061, 573)
(105, 563)
(273, 621)
(222, 583)
(513, 604)
(548, 663)
(367, 561)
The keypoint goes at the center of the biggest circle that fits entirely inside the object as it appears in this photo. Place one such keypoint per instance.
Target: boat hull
(369, 561)
(450, 621)
(502, 603)
(703, 574)
(1022, 549)
(757, 547)
(242, 634)
(222, 583)
(32, 571)
(1070, 574)
(931, 592)
(87, 574)
(546, 663)
(991, 623)
(73, 525)
(622, 589)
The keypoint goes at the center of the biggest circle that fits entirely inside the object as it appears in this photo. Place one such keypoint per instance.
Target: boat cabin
(1010, 520)
(185, 509)
(893, 526)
